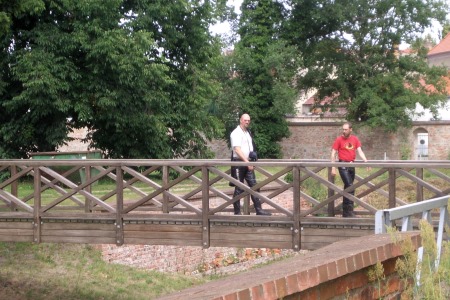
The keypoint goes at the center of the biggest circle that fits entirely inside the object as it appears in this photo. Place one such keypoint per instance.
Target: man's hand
(333, 171)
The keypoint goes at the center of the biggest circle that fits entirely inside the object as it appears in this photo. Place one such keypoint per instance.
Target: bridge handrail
(193, 192)
(226, 162)
(384, 218)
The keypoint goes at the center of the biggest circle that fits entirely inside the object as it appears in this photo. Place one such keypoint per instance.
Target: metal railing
(385, 218)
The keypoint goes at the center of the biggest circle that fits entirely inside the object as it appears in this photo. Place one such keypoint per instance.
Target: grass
(68, 271)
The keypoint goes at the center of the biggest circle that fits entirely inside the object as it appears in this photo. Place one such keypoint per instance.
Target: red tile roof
(312, 100)
(430, 88)
(442, 47)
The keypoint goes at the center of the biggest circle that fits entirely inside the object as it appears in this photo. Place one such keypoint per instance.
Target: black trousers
(348, 176)
(244, 174)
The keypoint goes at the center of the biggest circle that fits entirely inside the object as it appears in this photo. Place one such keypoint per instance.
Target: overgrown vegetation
(433, 283)
(376, 274)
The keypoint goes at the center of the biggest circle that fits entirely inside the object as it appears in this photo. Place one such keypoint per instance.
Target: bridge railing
(147, 194)
(386, 218)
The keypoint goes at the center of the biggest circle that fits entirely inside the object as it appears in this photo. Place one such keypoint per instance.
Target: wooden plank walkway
(246, 232)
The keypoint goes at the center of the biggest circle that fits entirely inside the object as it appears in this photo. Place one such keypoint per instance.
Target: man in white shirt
(242, 145)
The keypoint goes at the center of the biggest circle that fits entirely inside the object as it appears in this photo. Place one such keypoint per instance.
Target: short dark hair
(349, 124)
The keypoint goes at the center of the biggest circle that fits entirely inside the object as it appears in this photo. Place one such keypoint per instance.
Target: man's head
(347, 129)
(244, 121)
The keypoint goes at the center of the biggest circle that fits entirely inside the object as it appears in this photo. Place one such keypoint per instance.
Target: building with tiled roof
(309, 110)
(439, 55)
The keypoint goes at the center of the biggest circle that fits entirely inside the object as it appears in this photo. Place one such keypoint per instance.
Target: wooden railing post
(14, 186)
(296, 228)
(205, 208)
(392, 184)
(87, 202)
(419, 188)
(165, 182)
(331, 212)
(119, 207)
(37, 206)
(246, 204)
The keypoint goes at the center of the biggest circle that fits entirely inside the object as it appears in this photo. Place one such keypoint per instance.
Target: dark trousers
(348, 176)
(243, 173)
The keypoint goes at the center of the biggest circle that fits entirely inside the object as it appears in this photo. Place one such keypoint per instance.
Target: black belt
(345, 161)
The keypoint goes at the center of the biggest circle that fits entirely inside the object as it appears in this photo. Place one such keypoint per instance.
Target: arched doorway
(421, 144)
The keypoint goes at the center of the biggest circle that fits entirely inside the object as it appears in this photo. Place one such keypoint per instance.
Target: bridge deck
(232, 231)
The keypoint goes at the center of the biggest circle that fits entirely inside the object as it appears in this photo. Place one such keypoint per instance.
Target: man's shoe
(237, 207)
(262, 212)
(349, 214)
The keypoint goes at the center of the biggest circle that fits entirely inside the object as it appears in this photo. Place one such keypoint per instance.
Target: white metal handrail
(384, 219)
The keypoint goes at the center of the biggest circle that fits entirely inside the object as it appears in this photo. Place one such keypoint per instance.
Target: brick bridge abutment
(338, 271)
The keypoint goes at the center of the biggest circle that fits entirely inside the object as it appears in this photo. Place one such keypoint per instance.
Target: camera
(253, 156)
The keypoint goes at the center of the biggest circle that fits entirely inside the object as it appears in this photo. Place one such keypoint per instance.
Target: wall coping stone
(302, 271)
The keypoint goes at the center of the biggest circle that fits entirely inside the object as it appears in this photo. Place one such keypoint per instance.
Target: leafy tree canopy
(258, 75)
(351, 53)
(135, 73)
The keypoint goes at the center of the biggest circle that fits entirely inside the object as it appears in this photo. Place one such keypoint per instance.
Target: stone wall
(313, 140)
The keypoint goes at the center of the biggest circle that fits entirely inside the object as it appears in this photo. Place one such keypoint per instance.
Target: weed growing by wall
(423, 280)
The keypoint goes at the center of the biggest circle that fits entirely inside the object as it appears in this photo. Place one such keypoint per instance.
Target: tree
(445, 29)
(350, 52)
(258, 76)
(134, 73)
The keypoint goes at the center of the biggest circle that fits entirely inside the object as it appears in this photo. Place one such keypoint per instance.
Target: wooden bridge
(189, 202)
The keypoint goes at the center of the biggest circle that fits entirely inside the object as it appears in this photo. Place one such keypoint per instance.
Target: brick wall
(313, 140)
(338, 271)
(195, 260)
(190, 260)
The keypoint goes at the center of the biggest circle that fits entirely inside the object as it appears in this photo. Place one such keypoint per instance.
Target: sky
(223, 28)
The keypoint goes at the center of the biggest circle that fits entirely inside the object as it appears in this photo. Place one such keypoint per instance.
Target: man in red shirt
(345, 146)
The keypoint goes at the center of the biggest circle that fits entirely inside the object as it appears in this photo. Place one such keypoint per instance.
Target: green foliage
(289, 177)
(376, 274)
(405, 151)
(311, 187)
(350, 52)
(257, 76)
(434, 283)
(445, 29)
(132, 73)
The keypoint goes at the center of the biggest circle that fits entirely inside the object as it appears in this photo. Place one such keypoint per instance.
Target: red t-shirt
(346, 147)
